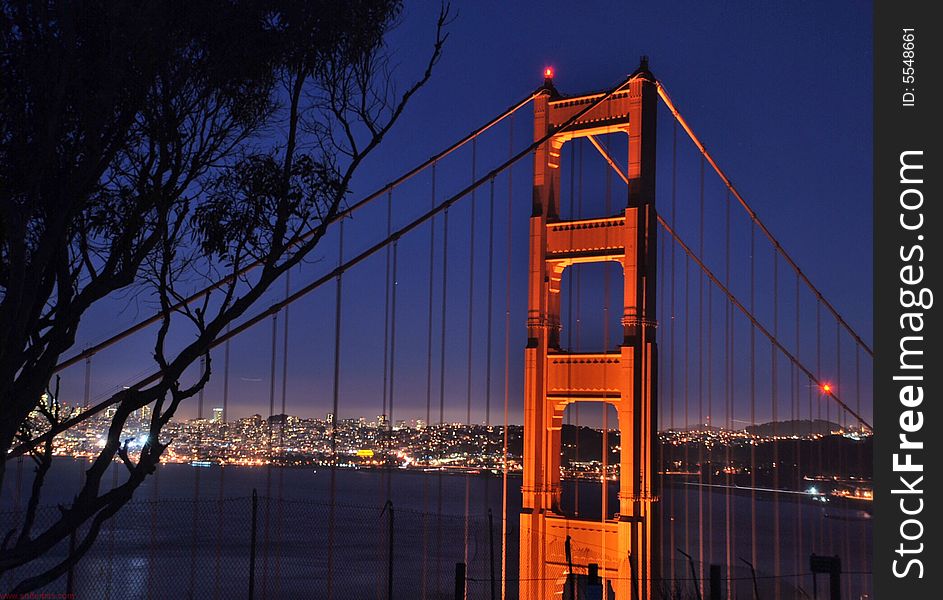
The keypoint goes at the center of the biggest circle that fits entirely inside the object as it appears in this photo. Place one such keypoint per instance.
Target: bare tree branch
(150, 163)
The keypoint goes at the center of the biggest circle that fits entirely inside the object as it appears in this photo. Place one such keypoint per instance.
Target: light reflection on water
(162, 544)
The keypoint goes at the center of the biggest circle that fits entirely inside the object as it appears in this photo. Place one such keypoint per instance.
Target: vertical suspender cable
(390, 419)
(507, 368)
(816, 535)
(753, 549)
(425, 493)
(81, 467)
(862, 539)
(284, 413)
(729, 393)
(818, 371)
(800, 548)
(605, 400)
(386, 305)
(279, 513)
(836, 463)
(88, 381)
(152, 551)
(684, 390)
(488, 356)
(471, 331)
(844, 466)
(196, 484)
(383, 426)
(271, 456)
(221, 492)
(392, 414)
(710, 424)
(671, 364)
(774, 379)
(85, 402)
(334, 414)
(200, 395)
(700, 387)
(382, 433)
(490, 309)
(569, 317)
(226, 350)
(664, 322)
(442, 327)
(578, 277)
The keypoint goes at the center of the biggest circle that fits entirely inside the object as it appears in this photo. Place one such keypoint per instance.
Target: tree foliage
(150, 144)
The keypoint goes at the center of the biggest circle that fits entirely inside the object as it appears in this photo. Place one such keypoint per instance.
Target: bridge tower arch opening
(625, 547)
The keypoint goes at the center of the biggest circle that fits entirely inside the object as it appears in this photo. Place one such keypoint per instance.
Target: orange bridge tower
(625, 547)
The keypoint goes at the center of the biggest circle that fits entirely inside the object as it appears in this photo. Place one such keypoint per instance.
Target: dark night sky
(780, 95)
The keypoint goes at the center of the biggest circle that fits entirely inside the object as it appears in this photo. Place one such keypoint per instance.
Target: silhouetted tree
(156, 144)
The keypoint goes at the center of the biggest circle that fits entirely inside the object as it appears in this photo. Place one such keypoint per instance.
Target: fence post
(694, 580)
(491, 547)
(633, 569)
(594, 589)
(70, 578)
(830, 565)
(834, 580)
(571, 576)
(255, 520)
(756, 588)
(389, 568)
(460, 581)
(715, 582)
(388, 507)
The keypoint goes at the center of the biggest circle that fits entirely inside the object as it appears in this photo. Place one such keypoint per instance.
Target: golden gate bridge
(716, 333)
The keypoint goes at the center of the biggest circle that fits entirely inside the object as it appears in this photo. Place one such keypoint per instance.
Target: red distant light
(548, 73)
(827, 388)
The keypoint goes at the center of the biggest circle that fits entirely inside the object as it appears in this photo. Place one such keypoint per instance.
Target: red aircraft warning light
(548, 73)
(827, 388)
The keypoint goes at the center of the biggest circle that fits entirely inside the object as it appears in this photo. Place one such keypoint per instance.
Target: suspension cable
(92, 350)
(750, 312)
(746, 312)
(275, 307)
(663, 94)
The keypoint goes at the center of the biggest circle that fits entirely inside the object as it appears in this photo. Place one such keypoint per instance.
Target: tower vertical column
(536, 492)
(625, 547)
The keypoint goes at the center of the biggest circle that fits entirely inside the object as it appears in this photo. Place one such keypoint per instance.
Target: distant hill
(796, 427)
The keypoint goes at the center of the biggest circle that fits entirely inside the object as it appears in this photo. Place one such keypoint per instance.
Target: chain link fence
(267, 548)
